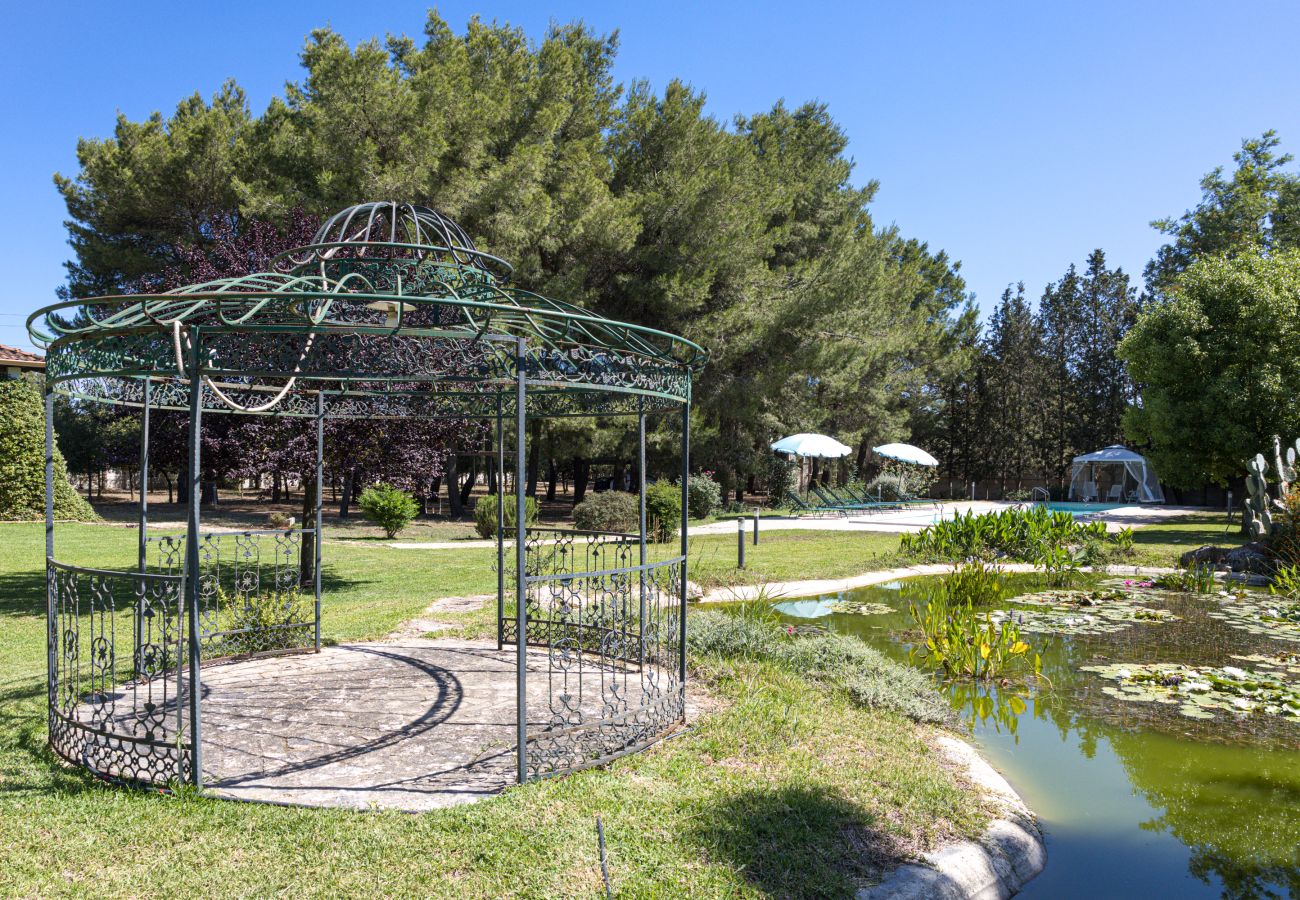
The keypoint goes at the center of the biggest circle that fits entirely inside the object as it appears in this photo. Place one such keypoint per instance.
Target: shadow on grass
(797, 841)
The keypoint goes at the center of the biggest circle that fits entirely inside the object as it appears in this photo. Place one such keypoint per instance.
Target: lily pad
(1203, 692)
(1082, 612)
(1262, 614)
(862, 608)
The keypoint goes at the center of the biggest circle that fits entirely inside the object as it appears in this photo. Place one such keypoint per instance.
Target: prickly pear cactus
(1259, 506)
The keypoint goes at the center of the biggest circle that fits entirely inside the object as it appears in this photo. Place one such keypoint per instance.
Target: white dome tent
(1130, 476)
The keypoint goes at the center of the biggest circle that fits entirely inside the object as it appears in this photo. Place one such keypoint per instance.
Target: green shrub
(22, 458)
(703, 495)
(607, 511)
(663, 506)
(259, 621)
(731, 634)
(485, 514)
(868, 676)
(388, 507)
(887, 486)
(780, 480)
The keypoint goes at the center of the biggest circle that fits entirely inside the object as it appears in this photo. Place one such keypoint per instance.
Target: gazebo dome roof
(391, 310)
(393, 229)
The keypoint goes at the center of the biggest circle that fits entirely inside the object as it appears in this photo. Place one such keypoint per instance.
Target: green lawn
(783, 789)
(1164, 543)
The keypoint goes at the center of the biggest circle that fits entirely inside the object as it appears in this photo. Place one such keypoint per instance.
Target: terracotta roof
(14, 356)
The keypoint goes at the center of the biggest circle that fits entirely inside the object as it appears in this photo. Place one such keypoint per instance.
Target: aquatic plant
(974, 582)
(1191, 580)
(965, 643)
(1286, 582)
(1262, 614)
(1101, 611)
(1059, 563)
(1021, 533)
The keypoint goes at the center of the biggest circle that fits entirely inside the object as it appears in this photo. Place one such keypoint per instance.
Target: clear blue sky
(1015, 136)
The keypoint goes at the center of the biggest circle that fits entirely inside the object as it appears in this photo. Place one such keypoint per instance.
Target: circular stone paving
(415, 724)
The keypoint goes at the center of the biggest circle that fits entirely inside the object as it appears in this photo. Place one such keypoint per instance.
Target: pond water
(1147, 785)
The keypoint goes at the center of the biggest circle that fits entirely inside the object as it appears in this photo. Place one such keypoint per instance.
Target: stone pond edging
(776, 589)
(997, 866)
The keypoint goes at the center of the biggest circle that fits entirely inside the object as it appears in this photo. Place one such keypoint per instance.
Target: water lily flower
(1235, 672)
(1124, 673)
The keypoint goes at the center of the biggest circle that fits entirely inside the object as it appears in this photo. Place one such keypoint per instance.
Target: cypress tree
(22, 459)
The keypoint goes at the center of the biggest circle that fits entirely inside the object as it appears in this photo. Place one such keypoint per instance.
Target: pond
(1162, 748)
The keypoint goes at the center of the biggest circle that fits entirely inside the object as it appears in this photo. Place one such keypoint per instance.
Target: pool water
(1083, 509)
(1135, 799)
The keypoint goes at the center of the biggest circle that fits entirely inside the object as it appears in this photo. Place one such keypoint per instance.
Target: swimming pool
(1083, 509)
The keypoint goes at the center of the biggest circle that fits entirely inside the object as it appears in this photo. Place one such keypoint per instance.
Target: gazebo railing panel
(117, 673)
(567, 551)
(251, 594)
(613, 650)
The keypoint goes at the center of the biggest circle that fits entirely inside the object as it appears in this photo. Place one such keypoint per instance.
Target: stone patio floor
(413, 724)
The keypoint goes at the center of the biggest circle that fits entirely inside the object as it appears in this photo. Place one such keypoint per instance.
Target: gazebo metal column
(190, 588)
(686, 479)
(640, 477)
(501, 525)
(521, 576)
(137, 624)
(51, 622)
(320, 495)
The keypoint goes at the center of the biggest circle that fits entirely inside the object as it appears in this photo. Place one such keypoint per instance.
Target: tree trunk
(307, 551)
(345, 501)
(452, 477)
(275, 487)
(581, 471)
(534, 455)
(469, 482)
(551, 478)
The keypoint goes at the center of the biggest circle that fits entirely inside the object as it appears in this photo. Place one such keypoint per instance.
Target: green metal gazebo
(390, 312)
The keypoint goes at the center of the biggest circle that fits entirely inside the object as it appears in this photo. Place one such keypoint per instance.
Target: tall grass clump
(752, 631)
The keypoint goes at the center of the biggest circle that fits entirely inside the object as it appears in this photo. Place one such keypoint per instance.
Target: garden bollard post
(740, 542)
